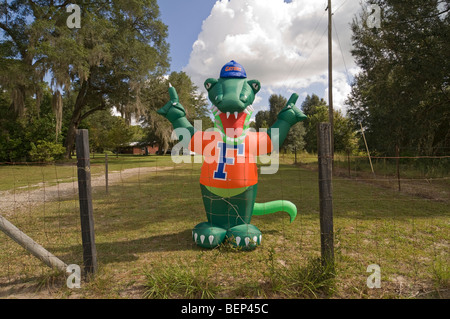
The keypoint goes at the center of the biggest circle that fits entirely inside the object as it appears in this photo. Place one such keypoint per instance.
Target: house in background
(137, 148)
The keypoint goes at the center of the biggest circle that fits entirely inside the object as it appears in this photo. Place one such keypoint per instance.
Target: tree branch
(15, 39)
(101, 107)
(37, 11)
(40, 61)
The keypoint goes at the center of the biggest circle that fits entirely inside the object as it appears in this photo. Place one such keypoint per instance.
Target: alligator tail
(275, 206)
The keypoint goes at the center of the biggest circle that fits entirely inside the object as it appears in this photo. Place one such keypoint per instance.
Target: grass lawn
(143, 237)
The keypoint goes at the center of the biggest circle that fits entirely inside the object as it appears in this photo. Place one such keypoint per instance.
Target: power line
(340, 48)
(339, 6)
(310, 38)
(314, 48)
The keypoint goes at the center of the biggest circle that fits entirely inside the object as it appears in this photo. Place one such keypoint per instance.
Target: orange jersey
(229, 166)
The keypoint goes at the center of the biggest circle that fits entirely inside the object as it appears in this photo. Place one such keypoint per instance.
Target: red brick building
(136, 148)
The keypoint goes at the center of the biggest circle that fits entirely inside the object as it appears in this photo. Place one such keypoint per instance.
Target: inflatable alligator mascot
(228, 177)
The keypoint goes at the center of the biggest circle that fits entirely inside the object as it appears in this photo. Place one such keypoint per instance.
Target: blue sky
(281, 43)
(184, 19)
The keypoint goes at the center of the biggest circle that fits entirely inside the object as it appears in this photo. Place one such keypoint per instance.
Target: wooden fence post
(29, 244)
(85, 198)
(325, 160)
(367, 149)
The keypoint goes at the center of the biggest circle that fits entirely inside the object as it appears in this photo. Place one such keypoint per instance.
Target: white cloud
(341, 89)
(283, 45)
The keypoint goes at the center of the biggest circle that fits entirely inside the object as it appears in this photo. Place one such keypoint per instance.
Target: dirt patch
(13, 200)
(433, 189)
(429, 188)
(23, 291)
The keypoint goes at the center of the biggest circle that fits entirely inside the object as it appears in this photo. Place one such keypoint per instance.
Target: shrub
(46, 151)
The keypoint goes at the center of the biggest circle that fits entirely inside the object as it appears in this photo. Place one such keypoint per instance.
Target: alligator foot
(208, 235)
(245, 236)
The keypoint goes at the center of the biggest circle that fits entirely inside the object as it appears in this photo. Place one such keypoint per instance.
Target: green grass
(143, 237)
(178, 280)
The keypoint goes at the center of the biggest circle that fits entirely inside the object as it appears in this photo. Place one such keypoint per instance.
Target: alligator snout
(231, 94)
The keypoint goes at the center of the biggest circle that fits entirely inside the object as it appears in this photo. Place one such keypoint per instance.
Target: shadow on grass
(127, 250)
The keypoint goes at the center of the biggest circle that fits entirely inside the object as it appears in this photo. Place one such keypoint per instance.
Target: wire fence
(405, 223)
(145, 215)
(425, 176)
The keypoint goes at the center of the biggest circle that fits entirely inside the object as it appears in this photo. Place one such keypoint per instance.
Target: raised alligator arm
(287, 117)
(175, 113)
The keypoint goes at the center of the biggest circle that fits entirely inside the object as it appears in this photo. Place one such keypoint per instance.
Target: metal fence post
(106, 172)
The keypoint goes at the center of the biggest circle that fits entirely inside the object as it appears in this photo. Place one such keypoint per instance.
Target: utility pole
(330, 79)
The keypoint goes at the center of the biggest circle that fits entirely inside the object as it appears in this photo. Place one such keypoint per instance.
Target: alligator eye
(255, 85)
(209, 83)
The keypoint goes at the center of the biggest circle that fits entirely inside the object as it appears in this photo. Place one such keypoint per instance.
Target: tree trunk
(75, 120)
(70, 138)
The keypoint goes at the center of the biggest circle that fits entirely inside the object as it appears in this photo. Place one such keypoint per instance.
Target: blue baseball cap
(233, 70)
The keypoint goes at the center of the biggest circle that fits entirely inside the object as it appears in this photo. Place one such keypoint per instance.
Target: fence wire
(146, 219)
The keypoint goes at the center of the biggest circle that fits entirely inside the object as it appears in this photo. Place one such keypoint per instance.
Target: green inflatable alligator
(228, 177)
